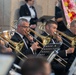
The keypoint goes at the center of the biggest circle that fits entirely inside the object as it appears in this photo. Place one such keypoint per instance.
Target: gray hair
(73, 23)
(19, 22)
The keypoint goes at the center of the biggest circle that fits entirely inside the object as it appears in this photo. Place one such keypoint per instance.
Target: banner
(69, 7)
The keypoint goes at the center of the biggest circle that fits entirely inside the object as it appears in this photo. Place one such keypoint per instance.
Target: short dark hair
(51, 22)
(27, 0)
(34, 65)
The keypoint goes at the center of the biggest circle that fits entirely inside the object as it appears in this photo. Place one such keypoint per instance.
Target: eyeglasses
(25, 26)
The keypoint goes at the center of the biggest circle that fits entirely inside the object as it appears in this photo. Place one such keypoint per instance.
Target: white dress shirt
(31, 11)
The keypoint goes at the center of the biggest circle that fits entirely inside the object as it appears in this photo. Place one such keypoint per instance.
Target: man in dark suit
(51, 28)
(22, 34)
(71, 33)
(29, 10)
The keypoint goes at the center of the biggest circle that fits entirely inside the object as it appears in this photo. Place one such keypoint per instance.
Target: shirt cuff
(61, 42)
(66, 52)
(32, 50)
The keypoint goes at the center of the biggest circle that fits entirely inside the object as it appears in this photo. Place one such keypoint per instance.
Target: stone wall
(9, 10)
(5, 13)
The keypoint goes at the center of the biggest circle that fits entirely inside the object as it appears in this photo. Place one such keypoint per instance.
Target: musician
(50, 29)
(36, 66)
(72, 33)
(29, 10)
(22, 34)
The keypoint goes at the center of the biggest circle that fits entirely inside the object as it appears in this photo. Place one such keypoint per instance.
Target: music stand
(45, 18)
(46, 50)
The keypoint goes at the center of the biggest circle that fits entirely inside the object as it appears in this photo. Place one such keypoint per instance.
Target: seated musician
(51, 28)
(22, 34)
(72, 33)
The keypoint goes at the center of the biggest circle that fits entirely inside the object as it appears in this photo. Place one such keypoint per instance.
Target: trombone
(45, 40)
(53, 55)
(16, 46)
(72, 39)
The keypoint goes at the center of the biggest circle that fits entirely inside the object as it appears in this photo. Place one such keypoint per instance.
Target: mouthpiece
(55, 33)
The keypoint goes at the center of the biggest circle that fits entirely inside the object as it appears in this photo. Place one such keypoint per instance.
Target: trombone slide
(53, 55)
(16, 48)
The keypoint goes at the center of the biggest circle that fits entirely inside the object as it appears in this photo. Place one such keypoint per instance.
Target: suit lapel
(25, 40)
(28, 11)
(18, 37)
